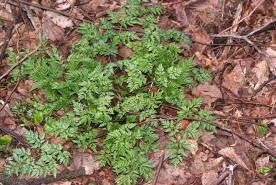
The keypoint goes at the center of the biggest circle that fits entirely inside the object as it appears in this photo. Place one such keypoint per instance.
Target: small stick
(46, 8)
(163, 118)
(262, 86)
(8, 36)
(44, 180)
(260, 3)
(161, 159)
(14, 135)
(225, 174)
(18, 63)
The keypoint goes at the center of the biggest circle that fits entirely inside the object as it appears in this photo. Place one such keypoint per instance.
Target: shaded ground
(237, 93)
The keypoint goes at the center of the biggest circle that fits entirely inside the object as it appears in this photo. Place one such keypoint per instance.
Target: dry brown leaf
(84, 160)
(125, 52)
(194, 145)
(234, 80)
(170, 175)
(180, 13)
(209, 178)
(207, 137)
(206, 10)
(209, 92)
(270, 142)
(198, 165)
(209, 62)
(262, 161)
(214, 163)
(101, 5)
(231, 154)
(262, 72)
(59, 20)
(10, 123)
(202, 37)
(51, 30)
(6, 111)
(271, 51)
(6, 16)
(64, 4)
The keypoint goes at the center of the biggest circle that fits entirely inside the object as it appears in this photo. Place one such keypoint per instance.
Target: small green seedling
(38, 118)
(262, 128)
(25, 121)
(264, 169)
(5, 142)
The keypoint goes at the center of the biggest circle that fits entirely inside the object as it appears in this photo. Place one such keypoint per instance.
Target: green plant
(23, 163)
(264, 169)
(118, 97)
(263, 128)
(5, 142)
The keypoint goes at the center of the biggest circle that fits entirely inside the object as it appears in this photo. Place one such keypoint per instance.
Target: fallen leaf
(261, 72)
(209, 178)
(262, 161)
(6, 111)
(85, 160)
(170, 175)
(209, 62)
(10, 122)
(180, 13)
(214, 163)
(125, 52)
(270, 142)
(210, 93)
(272, 62)
(64, 4)
(194, 145)
(231, 154)
(59, 20)
(198, 166)
(202, 37)
(51, 30)
(6, 16)
(234, 80)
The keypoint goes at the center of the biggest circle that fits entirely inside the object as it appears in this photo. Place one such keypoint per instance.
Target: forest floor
(235, 40)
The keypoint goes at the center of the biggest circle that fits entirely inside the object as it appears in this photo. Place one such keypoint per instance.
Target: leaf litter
(239, 75)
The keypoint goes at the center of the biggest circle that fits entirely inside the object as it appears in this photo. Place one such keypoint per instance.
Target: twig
(223, 8)
(8, 36)
(262, 86)
(163, 118)
(46, 180)
(161, 159)
(224, 175)
(30, 16)
(19, 63)
(45, 8)
(245, 38)
(268, 26)
(15, 87)
(14, 135)
(260, 3)
(258, 117)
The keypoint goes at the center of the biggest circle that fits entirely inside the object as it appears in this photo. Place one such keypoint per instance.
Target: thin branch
(161, 160)
(262, 86)
(45, 180)
(14, 135)
(245, 38)
(18, 63)
(13, 90)
(224, 175)
(45, 8)
(8, 36)
(163, 118)
(258, 5)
